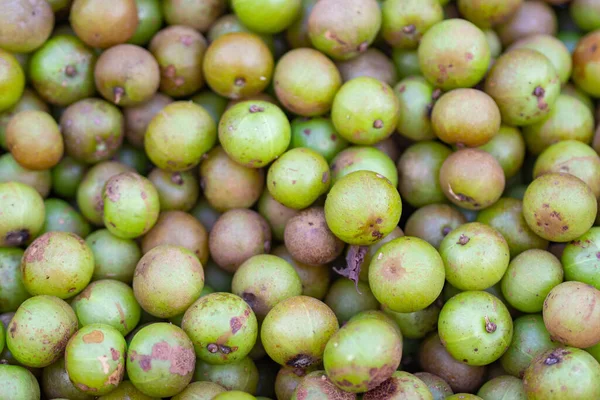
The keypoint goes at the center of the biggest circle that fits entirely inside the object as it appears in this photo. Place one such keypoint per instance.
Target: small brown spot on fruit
(212, 348)
(95, 336)
(363, 47)
(378, 124)
(177, 179)
(462, 240)
(118, 92)
(409, 29)
(490, 327)
(254, 109)
(240, 82)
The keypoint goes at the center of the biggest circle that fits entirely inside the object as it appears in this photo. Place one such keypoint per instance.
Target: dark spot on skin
(539, 92)
(177, 179)
(377, 235)
(363, 47)
(379, 375)
(224, 349)
(293, 181)
(379, 220)
(300, 361)
(254, 109)
(186, 40)
(306, 132)
(401, 89)
(556, 215)
(463, 240)
(17, 238)
(409, 29)
(545, 205)
(556, 356)
(446, 230)
(236, 324)
(436, 94)
(145, 363)
(354, 260)
(118, 92)
(378, 124)
(240, 82)
(86, 388)
(183, 360)
(212, 348)
(93, 337)
(333, 137)
(469, 56)
(144, 195)
(490, 327)
(384, 391)
(594, 48)
(564, 228)
(13, 330)
(115, 354)
(71, 290)
(325, 177)
(70, 71)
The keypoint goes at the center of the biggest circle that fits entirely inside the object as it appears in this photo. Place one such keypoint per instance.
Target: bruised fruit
(401, 385)
(405, 22)
(316, 385)
(222, 327)
(25, 25)
(22, 216)
(416, 98)
(267, 16)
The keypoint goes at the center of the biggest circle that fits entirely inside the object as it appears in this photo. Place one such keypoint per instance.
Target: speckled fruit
(562, 370)
(222, 327)
(551, 47)
(238, 65)
(508, 148)
(18, 383)
(475, 327)
(25, 25)
(433, 222)
(41, 317)
(365, 110)
(416, 98)
(366, 158)
(239, 375)
(298, 178)
(316, 386)
(490, 13)
(526, 97)
(12, 80)
(406, 274)
(586, 64)
(472, 179)
(179, 135)
(23, 214)
(559, 207)
(369, 201)
(579, 258)
(57, 264)
(160, 360)
(401, 385)
(438, 387)
(114, 258)
(95, 359)
(343, 29)
(296, 330)
(405, 22)
(238, 133)
(454, 54)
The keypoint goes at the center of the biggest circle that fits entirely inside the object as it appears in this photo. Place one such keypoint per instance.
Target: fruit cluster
(299, 199)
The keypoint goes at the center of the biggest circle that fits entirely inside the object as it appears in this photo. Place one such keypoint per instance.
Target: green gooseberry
(508, 148)
(114, 258)
(363, 158)
(12, 80)
(61, 216)
(317, 134)
(580, 258)
(240, 375)
(12, 288)
(416, 98)
(23, 214)
(18, 383)
(416, 325)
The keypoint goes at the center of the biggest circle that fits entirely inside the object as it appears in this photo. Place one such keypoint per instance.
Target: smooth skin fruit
(508, 148)
(317, 134)
(405, 22)
(433, 222)
(267, 16)
(416, 96)
(25, 25)
(12, 289)
(241, 375)
(373, 63)
(489, 13)
(18, 383)
(400, 385)
(150, 20)
(551, 47)
(579, 259)
(520, 23)
(357, 158)
(198, 14)
(29, 100)
(586, 64)
(12, 80)
(23, 214)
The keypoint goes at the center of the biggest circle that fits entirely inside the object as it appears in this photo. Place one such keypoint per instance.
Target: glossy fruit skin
(131, 205)
(559, 207)
(433, 222)
(29, 100)
(178, 137)
(356, 158)
(579, 258)
(222, 327)
(95, 358)
(365, 111)
(198, 14)
(317, 385)
(241, 375)
(530, 339)
(527, 97)
(404, 23)
(55, 383)
(475, 327)
(18, 383)
(57, 264)
(415, 95)
(374, 212)
(269, 16)
(237, 133)
(343, 29)
(12, 81)
(150, 20)
(160, 360)
(12, 289)
(36, 317)
(406, 274)
(62, 70)
(60, 216)
(317, 134)
(375, 347)
(508, 148)
(296, 330)
(114, 258)
(24, 214)
(438, 387)
(567, 367)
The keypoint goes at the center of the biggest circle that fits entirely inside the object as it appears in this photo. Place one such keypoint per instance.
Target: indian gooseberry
(211, 102)
(238, 65)
(373, 63)
(559, 207)
(400, 385)
(288, 379)
(347, 299)
(40, 316)
(585, 63)
(418, 173)
(176, 190)
(461, 251)
(571, 315)
(365, 110)
(265, 280)
(25, 25)
(574, 91)
(528, 96)
(433, 222)
(240, 375)
(124, 390)
(92, 130)
(309, 240)
(179, 51)
(454, 54)
(494, 42)
(585, 14)
(520, 25)
(357, 158)
(267, 16)
(104, 24)
(57, 264)
(465, 117)
(12, 289)
(472, 179)
(317, 385)
(18, 382)
(254, 133)
(179, 135)
(404, 22)
(134, 158)
(12, 80)
(416, 98)
(416, 325)
(198, 14)
(475, 327)
(200, 391)
(314, 278)
(306, 82)
(579, 258)
(160, 360)
(508, 148)
(366, 199)
(491, 13)
(150, 20)
(222, 327)
(236, 236)
(406, 62)
(167, 280)
(62, 70)
(570, 119)
(390, 148)
(127, 75)
(29, 100)
(317, 134)
(296, 34)
(138, 117)
(506, 216)
(565, 367)
(61, 216)
(298, 178)
(267, 97)
(12, 171)
(23, 214)
(296, 331)
(55, 383)
(529, 278)
(95, 358)
(364, 353)
(108, 302)
(406, 274)
(551, 47)
(435, 359)
(276, 214)
(344, 29)
(438, 387)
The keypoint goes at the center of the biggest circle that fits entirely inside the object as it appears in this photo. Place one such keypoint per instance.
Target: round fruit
(12, 289)
(18, 383)
(114, 258)
(25, 25)
(490, 13)
(198, 14)
(433, 222)
(267, 16)
(418, 324)
(475, 327)
(400, 385)
(23, 214)
(508, 148)
(579, 258)
(314, 278)
(317, 134)
(276, 214)
(357, 158)
(60, 216)
(150, 20)
(503, 387)
(56, 384)
(551, 47)
(405, 22)
(29, 100)
(240, 375)
(406, 274)
(520, 24)
(125, 390)
(138, 117)
(438, 387)
(316, 385)
(373, 63)
(12, 80)
(416, 97)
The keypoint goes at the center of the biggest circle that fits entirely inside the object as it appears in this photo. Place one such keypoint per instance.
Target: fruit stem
(490, 327)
